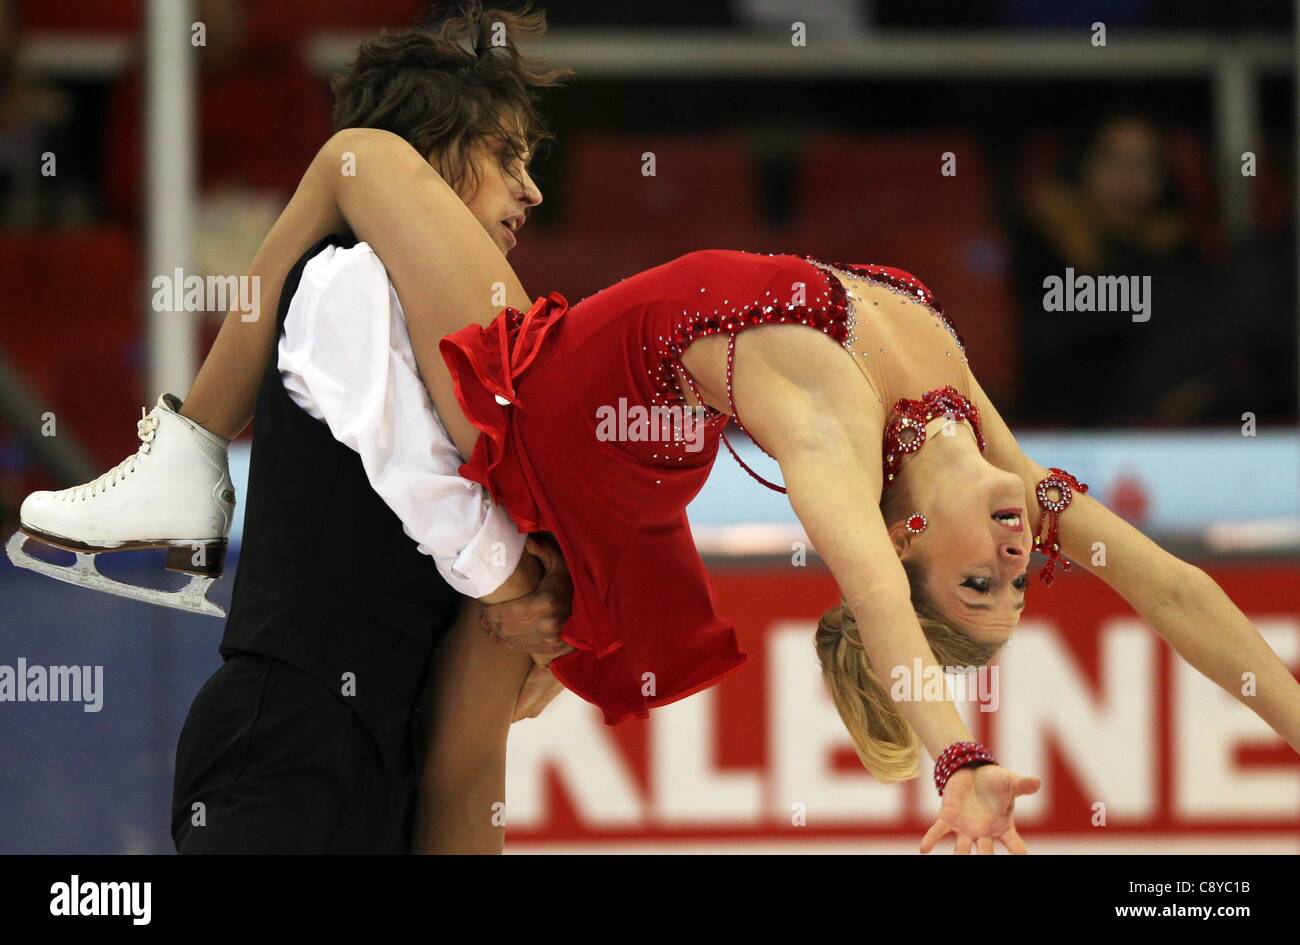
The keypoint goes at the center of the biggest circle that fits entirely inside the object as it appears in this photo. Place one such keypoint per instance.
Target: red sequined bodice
(831, 311)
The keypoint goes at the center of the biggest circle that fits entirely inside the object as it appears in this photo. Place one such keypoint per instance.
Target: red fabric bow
(519, 340)
(484, 362)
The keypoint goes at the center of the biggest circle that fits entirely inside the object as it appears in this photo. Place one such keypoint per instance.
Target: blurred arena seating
(874, 183)
(859, 199)
(874, 198)
(704, 190)
(73, 324)
(851, 194)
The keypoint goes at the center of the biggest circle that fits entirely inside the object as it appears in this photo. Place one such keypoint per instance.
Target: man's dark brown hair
(454, 81)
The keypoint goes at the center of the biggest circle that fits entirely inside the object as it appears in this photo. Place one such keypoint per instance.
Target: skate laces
(146, 428)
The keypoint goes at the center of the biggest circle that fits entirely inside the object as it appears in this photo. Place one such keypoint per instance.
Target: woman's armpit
(814, 387)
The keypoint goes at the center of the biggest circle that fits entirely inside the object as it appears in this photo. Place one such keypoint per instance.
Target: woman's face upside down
(974, 552)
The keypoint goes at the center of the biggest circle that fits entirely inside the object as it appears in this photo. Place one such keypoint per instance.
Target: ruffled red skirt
(546, 388)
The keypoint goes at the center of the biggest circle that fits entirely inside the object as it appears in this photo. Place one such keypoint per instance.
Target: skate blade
(191, 598)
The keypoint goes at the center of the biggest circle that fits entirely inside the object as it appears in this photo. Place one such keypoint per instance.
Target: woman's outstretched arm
(1181, 602)
(828, 448)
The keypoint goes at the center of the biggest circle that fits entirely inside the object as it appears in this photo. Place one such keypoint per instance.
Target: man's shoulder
(335, 274)
(337, 261)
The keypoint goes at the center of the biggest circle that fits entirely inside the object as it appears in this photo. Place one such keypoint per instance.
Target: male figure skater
(308, 738)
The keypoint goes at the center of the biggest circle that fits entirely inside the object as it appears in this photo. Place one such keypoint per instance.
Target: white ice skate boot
(174, 493)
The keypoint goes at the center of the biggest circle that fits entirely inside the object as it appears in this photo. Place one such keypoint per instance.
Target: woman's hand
(977, 807)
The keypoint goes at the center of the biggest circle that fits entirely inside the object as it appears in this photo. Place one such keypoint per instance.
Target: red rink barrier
(1137, 751)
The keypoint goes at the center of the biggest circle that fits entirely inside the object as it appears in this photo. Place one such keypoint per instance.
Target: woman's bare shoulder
(812, 387)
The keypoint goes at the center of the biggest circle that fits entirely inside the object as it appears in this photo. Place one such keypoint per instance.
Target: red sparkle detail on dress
(829, 312)
(901, 282)
(905, 431)
(830, 317)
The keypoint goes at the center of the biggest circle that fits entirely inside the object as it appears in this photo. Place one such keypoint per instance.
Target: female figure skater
(906, 479)
(928, 535)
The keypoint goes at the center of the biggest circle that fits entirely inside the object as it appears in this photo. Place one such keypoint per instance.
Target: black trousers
(271, 761)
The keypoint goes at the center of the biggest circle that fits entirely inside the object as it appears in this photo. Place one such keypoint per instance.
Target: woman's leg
(469, 701)
(447, 271)
(224, 393)
(223, 396)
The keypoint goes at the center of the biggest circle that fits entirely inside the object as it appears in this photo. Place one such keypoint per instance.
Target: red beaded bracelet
(956, 756)
(1049, 542)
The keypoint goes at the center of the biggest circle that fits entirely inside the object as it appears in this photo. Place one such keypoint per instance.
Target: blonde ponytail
(886, 745)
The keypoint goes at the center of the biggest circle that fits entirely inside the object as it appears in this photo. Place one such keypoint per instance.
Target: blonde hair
(885, 743)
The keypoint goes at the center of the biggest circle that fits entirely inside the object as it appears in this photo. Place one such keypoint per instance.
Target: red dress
(565, 399)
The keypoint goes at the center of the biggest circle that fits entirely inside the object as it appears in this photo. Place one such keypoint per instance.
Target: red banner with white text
(1136, 750)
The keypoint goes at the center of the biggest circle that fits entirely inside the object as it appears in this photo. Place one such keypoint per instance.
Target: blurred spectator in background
(262, 115)
(1221, 336)
(1117, 206)
(1258, 299)
(35, 120)
(1110, 208)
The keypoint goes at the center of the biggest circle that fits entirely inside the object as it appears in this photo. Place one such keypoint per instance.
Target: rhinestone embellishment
(905, 431)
